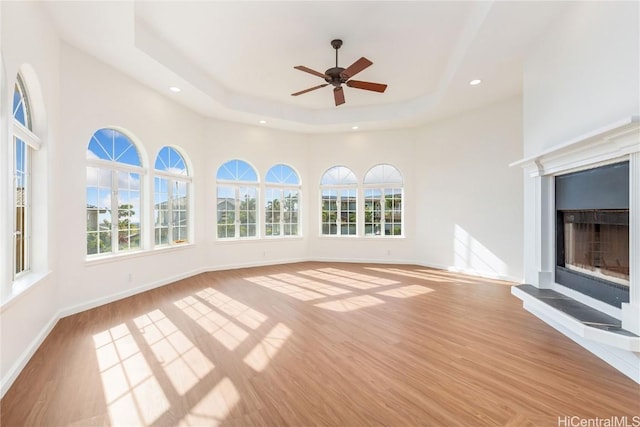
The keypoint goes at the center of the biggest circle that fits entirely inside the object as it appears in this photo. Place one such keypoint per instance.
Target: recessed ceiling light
(174, 89)
(354, 127)
(475, 82)
(262, 122)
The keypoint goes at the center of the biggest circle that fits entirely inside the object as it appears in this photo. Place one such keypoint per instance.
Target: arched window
(171, 198)
(24, 144)
(237, 200)
(338, 188)
(282, 202)
(114, 211)
(383, 201)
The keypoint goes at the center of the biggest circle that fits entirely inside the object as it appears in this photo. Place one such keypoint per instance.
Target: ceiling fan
(336, 76)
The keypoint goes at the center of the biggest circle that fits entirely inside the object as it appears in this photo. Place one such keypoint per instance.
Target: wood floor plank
(315, 344)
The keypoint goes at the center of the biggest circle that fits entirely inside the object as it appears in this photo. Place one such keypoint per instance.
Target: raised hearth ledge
(617, 349)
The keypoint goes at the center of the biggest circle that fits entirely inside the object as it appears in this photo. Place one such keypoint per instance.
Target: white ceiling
(234, 60)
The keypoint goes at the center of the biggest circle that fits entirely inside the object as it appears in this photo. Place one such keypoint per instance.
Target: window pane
(339, 175)
(393, 211)
(282, 174)
(329, 212)
(226, 212)
(128, 211)
(348, 213)
(21, 111)
(272, 211)
(169, 160)
(237, 170)
(383, 174)
(21, 205)
(247, 211)
(161, 210)
(110, 144)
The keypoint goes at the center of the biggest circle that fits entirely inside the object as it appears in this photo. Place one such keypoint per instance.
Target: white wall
(469, 202)
(262, 148)
(465, 156)
(97, 96)
(583, 74)
(359, 151)
(30, 42)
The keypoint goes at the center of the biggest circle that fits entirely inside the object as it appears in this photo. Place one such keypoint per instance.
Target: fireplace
(592, 232)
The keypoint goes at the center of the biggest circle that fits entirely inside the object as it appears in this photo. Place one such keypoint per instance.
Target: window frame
(114, 169)
(340, 190)
(282, 188)
(173, 179)
(383, 186)
(22, 134)
(237, 187)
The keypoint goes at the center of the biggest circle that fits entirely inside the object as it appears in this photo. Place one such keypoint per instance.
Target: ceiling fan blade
(376, 87)
(309, 90)
(338, 95)
(355, 68)
(310, 71)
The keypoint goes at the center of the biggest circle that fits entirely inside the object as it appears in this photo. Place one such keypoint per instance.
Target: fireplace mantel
(617, 142)
(598, 147)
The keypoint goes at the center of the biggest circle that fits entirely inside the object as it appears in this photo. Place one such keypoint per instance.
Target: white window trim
(236, 185)
(172, 178)
(382, 188)
(338, 188)
(284, 187)
(114, 167)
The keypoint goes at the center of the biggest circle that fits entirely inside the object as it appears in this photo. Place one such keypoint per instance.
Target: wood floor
(316, 344)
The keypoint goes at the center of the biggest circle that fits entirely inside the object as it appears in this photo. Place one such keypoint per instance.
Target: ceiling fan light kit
(337, 76)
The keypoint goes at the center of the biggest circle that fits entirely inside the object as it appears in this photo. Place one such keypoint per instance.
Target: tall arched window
(24, 144)
(282, 202)
(171, 198)
(383, 201)
(237, 200)
(339, 202)
(114, 211)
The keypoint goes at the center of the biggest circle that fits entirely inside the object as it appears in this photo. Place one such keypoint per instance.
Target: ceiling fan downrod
(336, 45)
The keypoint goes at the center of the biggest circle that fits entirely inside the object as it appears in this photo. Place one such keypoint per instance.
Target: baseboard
(27, 354)
(129, 292)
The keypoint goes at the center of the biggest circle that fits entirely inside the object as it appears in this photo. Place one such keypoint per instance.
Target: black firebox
(592, 232)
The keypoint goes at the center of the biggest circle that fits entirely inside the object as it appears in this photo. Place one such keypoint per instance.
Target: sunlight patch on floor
(323, 288)
(415, 274)
(214, 407)
(183, 363)
(262, 354)
(351, 303)
(406, 291)
(338, 280)
(293, 291)
(234, 308)
(218, 326)
(133, 395)
(358, 276)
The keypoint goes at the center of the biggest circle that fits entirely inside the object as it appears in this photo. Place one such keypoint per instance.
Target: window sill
(336, 236)
(105, 259)
(21, 287)
(238, 240)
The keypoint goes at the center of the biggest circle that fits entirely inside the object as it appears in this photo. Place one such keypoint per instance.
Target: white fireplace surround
(620, 141)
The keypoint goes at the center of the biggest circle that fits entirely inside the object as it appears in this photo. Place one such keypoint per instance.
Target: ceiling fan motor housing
(335, 77)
